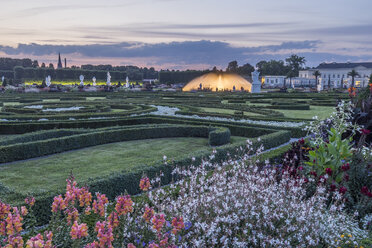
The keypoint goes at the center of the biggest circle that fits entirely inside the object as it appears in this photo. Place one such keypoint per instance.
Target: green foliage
(219, 136)
(332, 154)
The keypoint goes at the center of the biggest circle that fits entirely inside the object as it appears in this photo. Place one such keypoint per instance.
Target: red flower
(364, 190)
(342, 190)
(345, 167)
(328, 171)
(332, 188)
(365, 131)
(301, 141)
(313, 173)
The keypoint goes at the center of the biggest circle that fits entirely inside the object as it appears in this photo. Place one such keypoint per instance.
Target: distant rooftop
(348, 65)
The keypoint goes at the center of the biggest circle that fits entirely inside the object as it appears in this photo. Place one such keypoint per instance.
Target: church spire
(59, 61)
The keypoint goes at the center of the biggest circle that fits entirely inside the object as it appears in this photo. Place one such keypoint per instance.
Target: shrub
(219, 136)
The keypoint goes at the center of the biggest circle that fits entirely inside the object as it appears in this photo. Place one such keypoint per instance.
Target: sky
(186, 34)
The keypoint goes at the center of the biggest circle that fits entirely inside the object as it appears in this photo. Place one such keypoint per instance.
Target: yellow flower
(350, 236)
(342, 236)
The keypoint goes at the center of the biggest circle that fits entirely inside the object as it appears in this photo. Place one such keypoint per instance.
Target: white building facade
(335, 75)
(273, 81)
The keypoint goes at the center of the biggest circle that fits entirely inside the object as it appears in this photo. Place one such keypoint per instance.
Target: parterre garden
(193, 150)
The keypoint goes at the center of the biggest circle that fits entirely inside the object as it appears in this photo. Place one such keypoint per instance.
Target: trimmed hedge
(39, 148)
(219, 136)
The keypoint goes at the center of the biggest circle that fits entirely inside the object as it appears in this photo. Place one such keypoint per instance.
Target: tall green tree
(290, 75)
(316, 75)
(353, 73)
(295, 63)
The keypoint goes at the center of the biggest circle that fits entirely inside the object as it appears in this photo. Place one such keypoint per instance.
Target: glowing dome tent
(219, 81)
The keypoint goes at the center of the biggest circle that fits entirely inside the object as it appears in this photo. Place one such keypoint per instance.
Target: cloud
(183, 53)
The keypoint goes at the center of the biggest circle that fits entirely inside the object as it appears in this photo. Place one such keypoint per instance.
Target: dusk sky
(186, 33)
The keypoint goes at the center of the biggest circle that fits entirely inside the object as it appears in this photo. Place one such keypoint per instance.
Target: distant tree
(370, 79)
(246, 69)
(316, 75)
(329, 82)
(43, 84)
(214, 69)
(232, 66)
(295, 63)
(272, 67)
(353, 73)
(51, 66)
(290, 75)
(42, 65)
(35, 64)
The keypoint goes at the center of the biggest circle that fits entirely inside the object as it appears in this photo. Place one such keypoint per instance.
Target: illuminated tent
(219, 81)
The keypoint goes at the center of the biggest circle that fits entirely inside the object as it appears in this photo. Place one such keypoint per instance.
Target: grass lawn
(51, 100)
(95, 98)
(11, 103)
(227, 111)
(321, 111)
(50, 173)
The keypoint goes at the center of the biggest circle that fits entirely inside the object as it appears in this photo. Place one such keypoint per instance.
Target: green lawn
(50, 173)
(51, 100)
(11, 103)
(93, 98)
(321, 111)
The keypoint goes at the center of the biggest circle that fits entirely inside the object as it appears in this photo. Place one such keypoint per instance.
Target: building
(59, 62)
(335, 75)
(273, 81)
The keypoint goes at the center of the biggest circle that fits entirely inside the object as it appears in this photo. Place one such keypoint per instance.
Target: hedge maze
(36, 125)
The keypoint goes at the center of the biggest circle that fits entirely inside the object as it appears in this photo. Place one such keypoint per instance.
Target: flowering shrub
(247, 207)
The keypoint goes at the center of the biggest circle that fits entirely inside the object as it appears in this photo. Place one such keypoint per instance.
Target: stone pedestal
(256, 83)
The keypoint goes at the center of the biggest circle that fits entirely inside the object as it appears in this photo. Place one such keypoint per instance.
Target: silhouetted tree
(353, 73)
(232, 66)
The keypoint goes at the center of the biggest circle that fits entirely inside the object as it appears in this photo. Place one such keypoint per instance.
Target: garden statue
(108, 79)
(2, 79)
(94, 81)
(81, 80)
(127, 84)
(48, 81)
(319, 86)
(256, 83)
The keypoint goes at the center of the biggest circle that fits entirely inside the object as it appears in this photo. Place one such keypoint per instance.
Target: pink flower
(105, 235)
(158, 222)
(328, 171)
(58, 204)
(78, 231)
(124, 205)
(24, 211)
(131, 245)
(177, 224)
(145, 184)
(30, 201)
(149, 213)
(99, 204)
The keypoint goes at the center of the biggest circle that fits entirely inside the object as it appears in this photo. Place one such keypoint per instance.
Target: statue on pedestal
(81, 80)
(94, 81)
(256, 83)
(108, 79)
